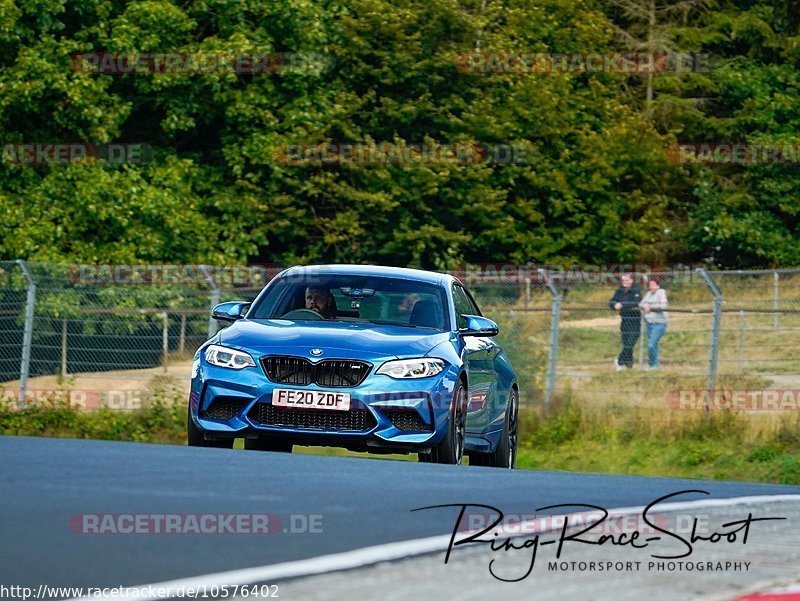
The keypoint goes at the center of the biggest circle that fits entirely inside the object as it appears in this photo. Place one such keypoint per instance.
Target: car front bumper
(385, 413)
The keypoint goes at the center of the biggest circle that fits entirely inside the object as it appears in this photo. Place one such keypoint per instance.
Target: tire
(196, 438)
(505, 455)
(451, 448)
(265, 442)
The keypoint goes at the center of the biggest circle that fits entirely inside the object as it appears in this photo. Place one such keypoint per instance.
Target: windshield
(363, 299)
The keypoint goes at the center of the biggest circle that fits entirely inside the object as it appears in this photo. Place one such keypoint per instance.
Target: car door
(478, 353)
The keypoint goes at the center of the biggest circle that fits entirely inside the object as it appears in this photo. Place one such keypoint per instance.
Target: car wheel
(265, 442)
(505, 455)
(451, 449)
(196, 438)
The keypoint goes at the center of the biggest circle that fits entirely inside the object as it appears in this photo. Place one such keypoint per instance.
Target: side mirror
(479, 326)
(230, 311)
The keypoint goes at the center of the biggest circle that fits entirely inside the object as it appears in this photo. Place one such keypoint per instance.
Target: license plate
(311, 399)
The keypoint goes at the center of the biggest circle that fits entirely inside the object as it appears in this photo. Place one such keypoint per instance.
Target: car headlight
(222, 356)
(411, 368)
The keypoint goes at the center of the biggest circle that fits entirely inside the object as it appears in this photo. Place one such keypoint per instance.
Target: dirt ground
(123, 389)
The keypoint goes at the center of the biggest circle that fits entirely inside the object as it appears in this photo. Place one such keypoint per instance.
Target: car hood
(335, 339)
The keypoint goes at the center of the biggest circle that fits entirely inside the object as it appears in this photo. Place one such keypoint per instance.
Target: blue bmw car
(377, 359)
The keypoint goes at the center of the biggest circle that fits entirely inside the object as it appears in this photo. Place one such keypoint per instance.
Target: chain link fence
(117, 335)
(728, 332)
(108, 335)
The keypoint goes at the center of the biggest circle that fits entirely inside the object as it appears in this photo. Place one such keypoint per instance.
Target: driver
(321, 300)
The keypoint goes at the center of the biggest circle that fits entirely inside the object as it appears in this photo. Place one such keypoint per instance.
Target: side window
(473, 304)
(462, 305)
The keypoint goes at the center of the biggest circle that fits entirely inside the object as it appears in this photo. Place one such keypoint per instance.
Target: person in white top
(654, 304)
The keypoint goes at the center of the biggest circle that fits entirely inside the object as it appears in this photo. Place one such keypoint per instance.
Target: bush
(560, 426)
(160, 421)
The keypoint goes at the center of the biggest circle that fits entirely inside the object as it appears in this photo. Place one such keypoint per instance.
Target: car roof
(376, 270)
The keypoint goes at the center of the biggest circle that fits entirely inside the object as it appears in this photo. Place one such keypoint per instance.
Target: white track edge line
(347, 560)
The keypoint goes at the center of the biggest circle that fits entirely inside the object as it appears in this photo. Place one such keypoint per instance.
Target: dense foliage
(598, 185)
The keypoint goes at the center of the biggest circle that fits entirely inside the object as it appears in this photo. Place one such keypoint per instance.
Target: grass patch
(646, 441)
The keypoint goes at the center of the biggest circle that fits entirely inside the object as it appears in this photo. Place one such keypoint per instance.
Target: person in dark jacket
(626, 302)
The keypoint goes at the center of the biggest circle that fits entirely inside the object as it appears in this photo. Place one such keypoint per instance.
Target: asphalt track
(362, 502)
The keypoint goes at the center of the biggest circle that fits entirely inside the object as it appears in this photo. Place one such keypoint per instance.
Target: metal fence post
(776, 278)
(64, 347)
(215, 298)
(165, 340)
(642, 328)
(527, 292)
(555, 318)
(27, 337)
(182, 339)
(713, 354)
